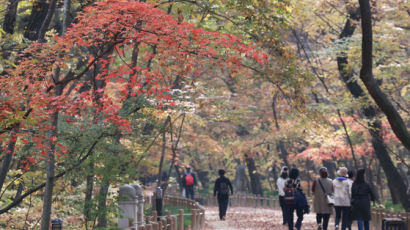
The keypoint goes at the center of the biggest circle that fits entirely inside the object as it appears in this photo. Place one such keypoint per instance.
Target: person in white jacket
(342, 196)
(280, 183)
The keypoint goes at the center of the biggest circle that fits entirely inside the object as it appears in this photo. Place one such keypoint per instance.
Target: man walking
(188, 182)
(222, 186)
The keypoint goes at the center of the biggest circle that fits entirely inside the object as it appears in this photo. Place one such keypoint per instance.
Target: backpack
(189, 179)
(289, 195)
(223, 188)
(300, 199)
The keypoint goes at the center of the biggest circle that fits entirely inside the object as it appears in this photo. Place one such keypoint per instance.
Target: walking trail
(252, 219)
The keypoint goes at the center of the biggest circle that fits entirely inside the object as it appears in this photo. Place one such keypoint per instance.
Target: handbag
(329, 197)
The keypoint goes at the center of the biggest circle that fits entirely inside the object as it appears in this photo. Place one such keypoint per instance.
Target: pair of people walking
(291, 198)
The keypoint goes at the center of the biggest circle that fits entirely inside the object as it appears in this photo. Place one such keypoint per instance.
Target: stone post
(140, 204)
(128, 207)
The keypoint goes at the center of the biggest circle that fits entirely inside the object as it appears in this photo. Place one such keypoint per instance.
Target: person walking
(292, 189)
(222, 187)
(342, 199)
(362, 194)
(280, 183)
(188, 183)
(350, 180)
(322, 187)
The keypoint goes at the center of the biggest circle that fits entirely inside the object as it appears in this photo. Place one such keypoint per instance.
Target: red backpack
(189, 179)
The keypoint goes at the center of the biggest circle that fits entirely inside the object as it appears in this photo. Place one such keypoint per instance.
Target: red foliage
(103, 35)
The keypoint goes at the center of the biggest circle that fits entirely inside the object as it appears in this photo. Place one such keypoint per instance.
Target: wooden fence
(378, 214)
(175, 222)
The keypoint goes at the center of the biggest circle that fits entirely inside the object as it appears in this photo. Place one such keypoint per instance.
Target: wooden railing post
(181, 219)
(154, 215)
(168, 219)
(159, 225)
(408, 220)
(164, 223)
(173, 223)
(155, 225)
(194, 224)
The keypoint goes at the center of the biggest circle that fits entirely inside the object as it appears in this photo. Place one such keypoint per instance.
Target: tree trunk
(66, 15)
(8, 156)
(366, 75)
(10, 16)
(369, 112)
(256, 186)
(48, 194)
(102, 203)
(163, 150)
(105, 184)
(281, 145)
(52, 137)
(47, 21)
(331, 168)
(203, 177)
(36, 18)
(241, 181)
(89, 192)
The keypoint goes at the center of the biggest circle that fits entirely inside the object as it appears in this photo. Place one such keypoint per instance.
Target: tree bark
(36, 18)
(256, 186)
(163, 150)
(10, 16)
(8, 156)
(366, 75)
(102, 203)
(89, 192)
(66, 15)
(47, 21)
(281, 145)
(105, 184)
(52, 136)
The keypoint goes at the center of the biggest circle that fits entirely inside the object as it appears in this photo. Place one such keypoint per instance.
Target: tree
(395, 120)
(366, 75)
(51, 77)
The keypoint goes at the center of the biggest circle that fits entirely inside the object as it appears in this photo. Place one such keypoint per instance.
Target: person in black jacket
(362, 194)
(222, 186)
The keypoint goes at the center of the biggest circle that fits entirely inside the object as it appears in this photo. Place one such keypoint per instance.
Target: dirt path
(252, 219)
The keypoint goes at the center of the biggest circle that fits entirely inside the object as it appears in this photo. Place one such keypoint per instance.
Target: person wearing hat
(222, 187)
(342, 198)
(280, 183)
(321, 187)
(188, 182)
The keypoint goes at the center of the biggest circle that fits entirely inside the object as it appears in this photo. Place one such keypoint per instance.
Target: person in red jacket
(188, 182)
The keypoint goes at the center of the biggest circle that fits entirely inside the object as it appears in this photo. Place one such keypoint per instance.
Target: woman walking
(362, 194)
(280, 183)
(322, 187)
(342, 199)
